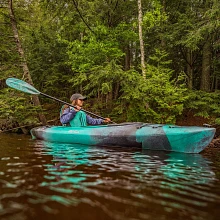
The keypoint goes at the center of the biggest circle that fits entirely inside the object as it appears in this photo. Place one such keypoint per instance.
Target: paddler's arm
(96, 121)
(67, 115)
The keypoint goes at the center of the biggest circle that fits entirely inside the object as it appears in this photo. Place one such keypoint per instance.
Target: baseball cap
(76, 96)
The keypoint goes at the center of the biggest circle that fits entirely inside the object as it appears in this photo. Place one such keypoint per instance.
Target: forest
(136, 60)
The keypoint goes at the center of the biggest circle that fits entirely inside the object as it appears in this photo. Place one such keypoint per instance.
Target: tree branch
(77, 9)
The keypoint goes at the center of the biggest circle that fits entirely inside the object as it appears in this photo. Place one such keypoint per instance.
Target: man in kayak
(74, 117)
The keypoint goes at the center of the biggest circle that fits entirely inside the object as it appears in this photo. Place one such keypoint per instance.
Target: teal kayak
(187, 139)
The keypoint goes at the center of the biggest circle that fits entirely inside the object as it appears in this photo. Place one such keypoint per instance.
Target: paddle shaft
(91, 113)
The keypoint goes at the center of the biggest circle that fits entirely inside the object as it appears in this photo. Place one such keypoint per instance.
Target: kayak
(186, 139)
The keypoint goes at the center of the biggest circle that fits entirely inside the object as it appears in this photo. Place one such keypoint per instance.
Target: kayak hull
(187, 139)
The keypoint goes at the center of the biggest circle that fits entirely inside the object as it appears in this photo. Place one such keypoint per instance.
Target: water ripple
(56, 180)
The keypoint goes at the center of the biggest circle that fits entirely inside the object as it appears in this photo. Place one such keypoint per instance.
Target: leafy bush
(205, 104)
(17, 107)
(156, 99)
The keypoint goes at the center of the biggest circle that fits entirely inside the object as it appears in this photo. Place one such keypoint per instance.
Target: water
(63, 181)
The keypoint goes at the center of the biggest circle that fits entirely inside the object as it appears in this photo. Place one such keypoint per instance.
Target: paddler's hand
(107, 120)
(77, 108)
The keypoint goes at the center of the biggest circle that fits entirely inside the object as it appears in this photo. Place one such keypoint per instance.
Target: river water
(41, 180)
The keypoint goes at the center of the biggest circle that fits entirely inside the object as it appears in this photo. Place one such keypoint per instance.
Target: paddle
(27, 88)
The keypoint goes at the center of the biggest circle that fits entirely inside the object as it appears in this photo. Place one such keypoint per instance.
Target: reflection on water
(190, 168)
(48, 180)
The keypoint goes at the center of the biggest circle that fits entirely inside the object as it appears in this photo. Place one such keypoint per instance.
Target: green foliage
(158, 98)
(104, 78)
(85, 49)
(100, 81)
(204, 104)
(154, 17)
(90, 51)
(16, 107)
(9, 60)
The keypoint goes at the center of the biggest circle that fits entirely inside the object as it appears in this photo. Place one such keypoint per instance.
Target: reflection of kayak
(187, 139)
(190, 169)
(179, 170)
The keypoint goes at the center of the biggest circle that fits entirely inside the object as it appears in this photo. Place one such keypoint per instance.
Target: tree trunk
(143, 67)
(189, 69)
(117, 86)
(163, 43)
(206, 66)
(26, 74)
(110, 98)
(127, 57)
(216, 83)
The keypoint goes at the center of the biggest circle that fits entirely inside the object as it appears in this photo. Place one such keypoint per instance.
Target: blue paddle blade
(22, 86)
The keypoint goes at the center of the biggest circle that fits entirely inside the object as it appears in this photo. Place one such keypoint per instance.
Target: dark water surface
(40, 180)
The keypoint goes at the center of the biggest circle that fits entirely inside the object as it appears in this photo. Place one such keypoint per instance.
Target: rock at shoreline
(215, 143)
